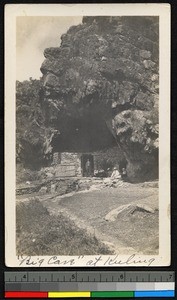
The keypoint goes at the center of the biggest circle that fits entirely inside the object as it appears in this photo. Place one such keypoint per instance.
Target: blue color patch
(154, 294)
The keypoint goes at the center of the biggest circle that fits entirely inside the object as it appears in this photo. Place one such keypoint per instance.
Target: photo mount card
(87, 135)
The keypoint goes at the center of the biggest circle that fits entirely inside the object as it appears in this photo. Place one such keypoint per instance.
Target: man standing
(88, 168)
(124, 174)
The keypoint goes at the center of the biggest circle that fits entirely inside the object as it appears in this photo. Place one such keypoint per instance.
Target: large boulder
(106, 72)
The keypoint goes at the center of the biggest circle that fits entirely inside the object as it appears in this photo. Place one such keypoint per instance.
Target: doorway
(87, 165)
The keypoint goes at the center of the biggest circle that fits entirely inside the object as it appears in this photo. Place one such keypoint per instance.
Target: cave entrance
(83, 135)
(87, 165)
(83, 138)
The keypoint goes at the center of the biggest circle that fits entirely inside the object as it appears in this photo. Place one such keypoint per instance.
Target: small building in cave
(72, 164)
(69, 164)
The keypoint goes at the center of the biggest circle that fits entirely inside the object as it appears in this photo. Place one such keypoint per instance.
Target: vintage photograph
(87, 135)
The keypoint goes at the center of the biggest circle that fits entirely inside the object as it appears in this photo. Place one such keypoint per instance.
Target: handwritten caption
(96, 261)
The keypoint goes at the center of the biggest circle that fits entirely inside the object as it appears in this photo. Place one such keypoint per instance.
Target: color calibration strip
(89, 284)
(114, 294)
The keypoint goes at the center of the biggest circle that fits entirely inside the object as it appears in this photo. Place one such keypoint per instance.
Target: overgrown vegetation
(32, 134)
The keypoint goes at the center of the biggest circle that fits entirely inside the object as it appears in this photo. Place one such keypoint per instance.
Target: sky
(33, 35)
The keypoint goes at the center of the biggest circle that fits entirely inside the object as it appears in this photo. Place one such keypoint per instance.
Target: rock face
(33, 136)
(100, 88)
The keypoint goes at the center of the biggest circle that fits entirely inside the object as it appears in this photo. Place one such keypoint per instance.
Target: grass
(39, 233)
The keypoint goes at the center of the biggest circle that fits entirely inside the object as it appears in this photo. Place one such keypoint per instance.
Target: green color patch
(110, 294)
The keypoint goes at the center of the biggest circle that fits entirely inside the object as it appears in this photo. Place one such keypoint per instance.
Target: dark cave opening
(83, 134)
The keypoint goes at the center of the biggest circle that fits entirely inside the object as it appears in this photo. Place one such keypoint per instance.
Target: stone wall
(56, 158)
(70, 165)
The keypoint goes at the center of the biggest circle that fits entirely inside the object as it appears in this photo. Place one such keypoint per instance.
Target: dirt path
(128, 235)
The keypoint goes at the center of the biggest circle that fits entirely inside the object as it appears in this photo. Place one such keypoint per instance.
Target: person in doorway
(124, 174)
(88, 168)
(115, 174)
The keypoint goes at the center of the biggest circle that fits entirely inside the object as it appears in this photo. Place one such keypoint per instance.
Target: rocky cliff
(33, 136)
(101, 86)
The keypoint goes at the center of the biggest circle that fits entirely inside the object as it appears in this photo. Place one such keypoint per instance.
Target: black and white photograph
(90, 148)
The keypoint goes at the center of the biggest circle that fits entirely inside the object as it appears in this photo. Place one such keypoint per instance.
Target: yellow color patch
(68, 294)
